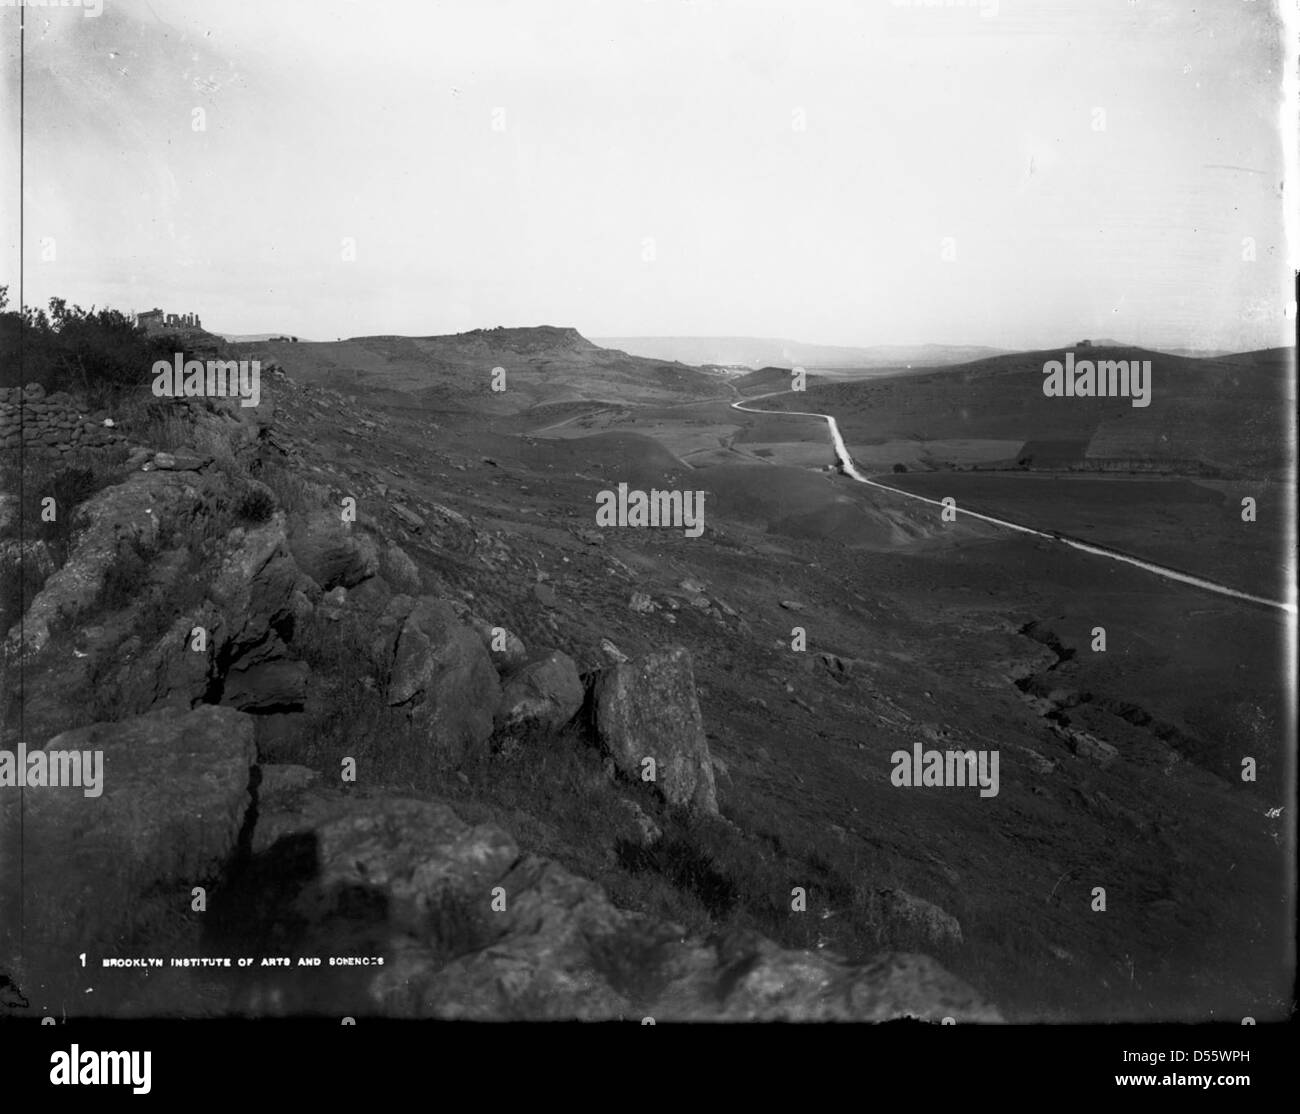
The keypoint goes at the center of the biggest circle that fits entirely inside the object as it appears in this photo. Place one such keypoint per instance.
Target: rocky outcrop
(256, 593)
(175, 795)
(231, 646)
(126, 514)
(471, 929)
(331, 552)
(543, 695)
(648, 708)
(505, 648)
(272, 686)
(467, 927)
(436, 667)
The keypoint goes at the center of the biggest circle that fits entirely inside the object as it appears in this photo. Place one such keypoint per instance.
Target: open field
(1187, 525)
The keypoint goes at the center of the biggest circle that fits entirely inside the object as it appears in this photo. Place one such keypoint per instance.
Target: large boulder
(648, 708)
(331, 552)
(256, 593)
(544, 694)
(439, 670)
(506, 648)
(399, 570)
(172, 801)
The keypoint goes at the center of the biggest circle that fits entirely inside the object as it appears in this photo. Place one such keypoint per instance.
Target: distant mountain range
(761, 352)
(757, 352)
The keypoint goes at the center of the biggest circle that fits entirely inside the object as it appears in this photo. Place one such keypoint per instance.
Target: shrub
(93, 352)
(290, 489)
(256, 503)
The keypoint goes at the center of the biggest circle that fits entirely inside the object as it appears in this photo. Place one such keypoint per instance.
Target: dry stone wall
(51, 424)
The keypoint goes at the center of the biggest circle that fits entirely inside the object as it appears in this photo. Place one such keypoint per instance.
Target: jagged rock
(399, 570)
(440, 670)
(469, 930)
(642, 604)
(181, 462)
(273, 686)
(648, 709)
(170, 673)
(256, 591)
(504, 647)
(107, 522)
(255, 600)
(175, 791)
(839, 668)
(792, 605)
(331, 552)
(454, 517)
(938, 925)
(612, 652)
(1090, 747)
(408, 517)
(545, 693)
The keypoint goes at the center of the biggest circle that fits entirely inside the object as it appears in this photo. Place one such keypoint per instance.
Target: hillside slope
(1225, 412)
(543, 365)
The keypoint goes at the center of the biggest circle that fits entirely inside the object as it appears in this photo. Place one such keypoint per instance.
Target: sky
(857, 172)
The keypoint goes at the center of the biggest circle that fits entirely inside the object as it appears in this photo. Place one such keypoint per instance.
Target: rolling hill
(545, 365)
(1223, 414)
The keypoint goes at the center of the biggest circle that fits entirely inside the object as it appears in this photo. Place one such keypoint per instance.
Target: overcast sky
(856, 172)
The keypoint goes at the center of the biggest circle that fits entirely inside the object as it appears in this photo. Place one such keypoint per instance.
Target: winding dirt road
(849, 469)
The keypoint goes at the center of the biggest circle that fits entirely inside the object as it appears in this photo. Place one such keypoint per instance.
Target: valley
(1113, 762)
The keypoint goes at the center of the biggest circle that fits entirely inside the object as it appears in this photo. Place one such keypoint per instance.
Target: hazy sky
(660, 167)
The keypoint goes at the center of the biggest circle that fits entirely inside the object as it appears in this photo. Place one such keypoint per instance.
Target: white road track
(847, 465)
